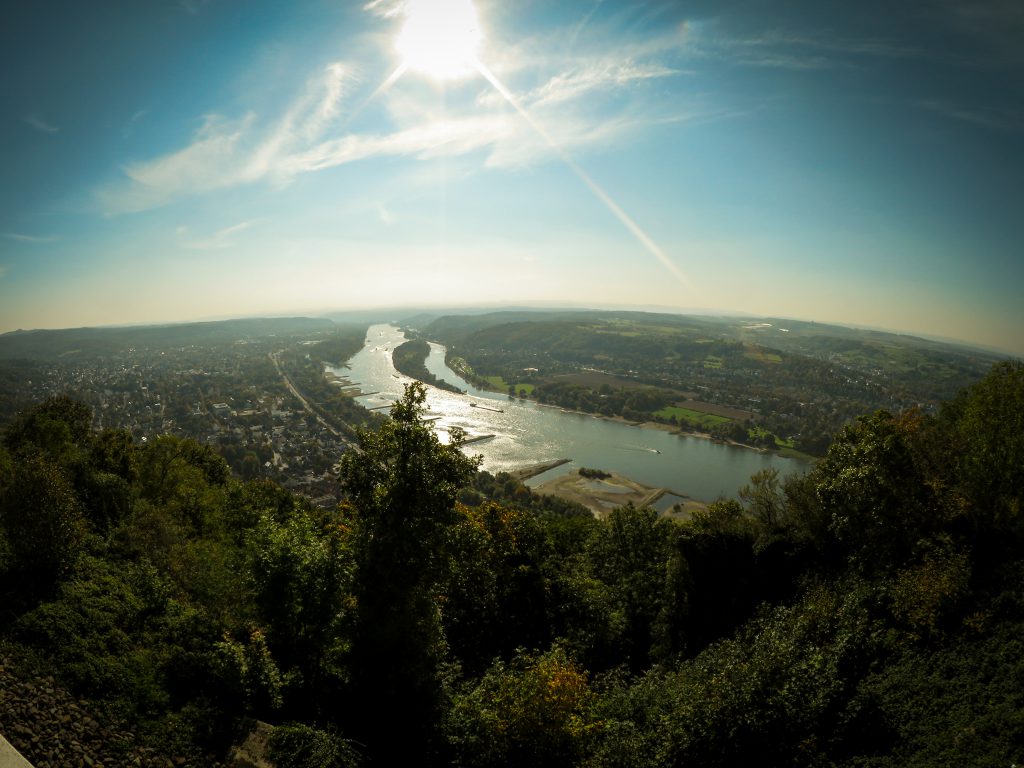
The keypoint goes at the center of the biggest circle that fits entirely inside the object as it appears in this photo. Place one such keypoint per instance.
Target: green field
(696, 417)
(712, 361)
(501, 385)
(763, 356)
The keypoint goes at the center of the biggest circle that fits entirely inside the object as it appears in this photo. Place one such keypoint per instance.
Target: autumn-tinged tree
(536, 711)
(494, 596)
(764, 498)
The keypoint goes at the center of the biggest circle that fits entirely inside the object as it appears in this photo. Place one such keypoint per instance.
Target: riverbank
(461, 368)
(790, 453)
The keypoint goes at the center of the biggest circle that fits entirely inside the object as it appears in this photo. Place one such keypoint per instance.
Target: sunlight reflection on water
(525, 432)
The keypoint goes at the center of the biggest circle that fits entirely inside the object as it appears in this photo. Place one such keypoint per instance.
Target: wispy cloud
(385, 9)
(31, 239)
(829, 43)
(40, 124)
(1001, 121)
(590, 97)
(129, 125)
(217, 241)
(213, 160)
(385, 216)
(305, 138)
(780, 49)
(603, 74)
(192, 6)
(228, 152)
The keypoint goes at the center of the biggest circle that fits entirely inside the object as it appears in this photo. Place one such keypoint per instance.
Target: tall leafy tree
(876, 485)
(53, 426)
(43, 521)
(988, 431)
(630, 554)
(402, 484)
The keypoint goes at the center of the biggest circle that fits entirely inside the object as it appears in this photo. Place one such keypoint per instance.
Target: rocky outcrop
(52, 729)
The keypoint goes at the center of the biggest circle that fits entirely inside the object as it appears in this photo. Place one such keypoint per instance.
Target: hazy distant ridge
(86, 342)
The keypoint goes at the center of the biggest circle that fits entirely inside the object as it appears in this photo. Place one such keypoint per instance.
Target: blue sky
(858, 163)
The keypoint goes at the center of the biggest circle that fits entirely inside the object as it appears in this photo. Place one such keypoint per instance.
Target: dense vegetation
(869, 613)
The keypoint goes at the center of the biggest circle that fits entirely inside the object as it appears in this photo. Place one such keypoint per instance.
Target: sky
(857, 163)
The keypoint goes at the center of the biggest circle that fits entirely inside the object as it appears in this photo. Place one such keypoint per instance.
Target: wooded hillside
(868, 613)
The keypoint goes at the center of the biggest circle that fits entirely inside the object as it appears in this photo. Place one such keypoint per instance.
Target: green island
(410, 358)
(162, 608)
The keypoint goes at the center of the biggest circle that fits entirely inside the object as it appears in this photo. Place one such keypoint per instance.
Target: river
(525, 432)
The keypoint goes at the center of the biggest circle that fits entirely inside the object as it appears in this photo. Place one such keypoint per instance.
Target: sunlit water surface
(525, 432)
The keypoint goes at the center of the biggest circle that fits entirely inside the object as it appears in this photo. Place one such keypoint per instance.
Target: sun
(440, 38)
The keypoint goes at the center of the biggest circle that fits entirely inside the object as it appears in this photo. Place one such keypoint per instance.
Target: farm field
(501, 385)
(697, 417)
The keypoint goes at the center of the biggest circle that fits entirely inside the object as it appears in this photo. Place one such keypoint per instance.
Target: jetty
(525, 473)
(486, 408)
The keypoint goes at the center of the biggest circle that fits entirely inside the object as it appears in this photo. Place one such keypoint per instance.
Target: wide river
(526, 433)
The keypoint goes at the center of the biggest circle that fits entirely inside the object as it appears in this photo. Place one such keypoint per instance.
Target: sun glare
(440, 38)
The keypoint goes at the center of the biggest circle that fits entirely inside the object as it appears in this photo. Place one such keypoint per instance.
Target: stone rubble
(52, 729)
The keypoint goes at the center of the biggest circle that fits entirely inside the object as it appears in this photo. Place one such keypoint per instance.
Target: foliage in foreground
(868, 613)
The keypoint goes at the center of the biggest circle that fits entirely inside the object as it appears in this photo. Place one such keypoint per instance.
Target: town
(261, 401)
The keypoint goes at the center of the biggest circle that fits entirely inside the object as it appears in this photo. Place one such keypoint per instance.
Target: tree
(401, 484)
(630, 554)
(43, 521)
(300, 573)
(987, 428)
(494, 596)
(52, 426)
(875, 485)
(536, 711)
(763, 498)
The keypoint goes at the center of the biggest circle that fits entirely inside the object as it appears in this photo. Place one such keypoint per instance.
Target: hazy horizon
(400, 313)
(201, 159)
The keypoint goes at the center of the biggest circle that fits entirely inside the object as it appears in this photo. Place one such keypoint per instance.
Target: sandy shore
(601, 495)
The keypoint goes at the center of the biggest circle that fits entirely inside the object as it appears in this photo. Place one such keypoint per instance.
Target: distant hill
(86, 343)
(857, 348)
